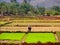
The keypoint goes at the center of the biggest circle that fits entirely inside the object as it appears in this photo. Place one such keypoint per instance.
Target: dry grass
(37, 29)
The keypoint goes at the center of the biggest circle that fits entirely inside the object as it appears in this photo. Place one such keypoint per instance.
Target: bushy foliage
(25, 9)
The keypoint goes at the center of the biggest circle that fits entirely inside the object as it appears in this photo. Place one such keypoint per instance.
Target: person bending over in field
(29, 28)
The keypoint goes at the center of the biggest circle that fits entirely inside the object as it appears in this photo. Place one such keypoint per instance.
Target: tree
(13, 8)
(41, 10)
(25, 8)
(3, 7)
(56, 8)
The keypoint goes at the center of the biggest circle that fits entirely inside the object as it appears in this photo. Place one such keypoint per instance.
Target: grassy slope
(11, 36)
(42, 37)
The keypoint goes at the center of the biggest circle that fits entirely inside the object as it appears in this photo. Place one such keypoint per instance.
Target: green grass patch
(42, 37)
(11, 36)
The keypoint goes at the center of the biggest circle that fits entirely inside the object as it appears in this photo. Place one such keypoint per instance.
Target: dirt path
(23, 39)
(58, 36)
(57, 40)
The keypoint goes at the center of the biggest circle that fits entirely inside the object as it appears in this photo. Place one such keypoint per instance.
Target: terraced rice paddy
(2, 22)
(11, 36)
(29, 38)
(42, 37)
(34, 22)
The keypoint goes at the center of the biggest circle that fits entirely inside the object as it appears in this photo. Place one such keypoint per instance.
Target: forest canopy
(26, 9)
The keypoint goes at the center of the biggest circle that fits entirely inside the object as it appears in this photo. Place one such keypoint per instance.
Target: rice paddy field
(31, 21)
(11, 36)
(34, 22)
(30, 37)
(2, 22)
(42, 37)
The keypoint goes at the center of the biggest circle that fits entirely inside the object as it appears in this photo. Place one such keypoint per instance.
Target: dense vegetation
(25, 9)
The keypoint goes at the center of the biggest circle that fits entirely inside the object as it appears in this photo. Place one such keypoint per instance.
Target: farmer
(29, 28)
